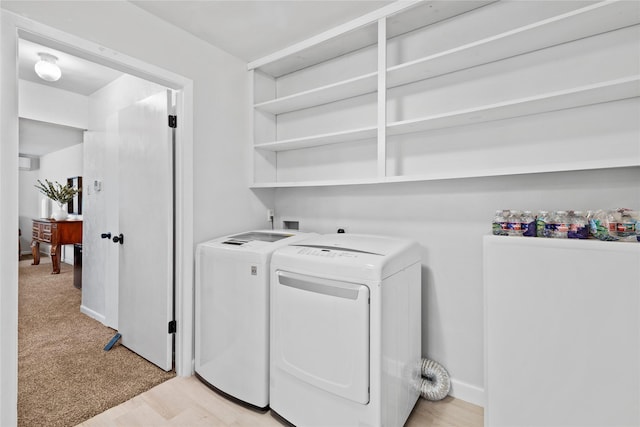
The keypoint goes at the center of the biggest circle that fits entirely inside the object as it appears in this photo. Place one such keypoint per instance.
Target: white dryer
(232, 313)
(345, 331)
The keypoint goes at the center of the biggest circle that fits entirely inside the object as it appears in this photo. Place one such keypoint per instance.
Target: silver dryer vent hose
(435, 382)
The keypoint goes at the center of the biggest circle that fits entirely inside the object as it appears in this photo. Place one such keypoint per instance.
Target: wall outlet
(270, 214)
(291, 225)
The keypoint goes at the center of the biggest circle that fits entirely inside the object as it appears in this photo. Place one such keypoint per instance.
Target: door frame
(12, 27)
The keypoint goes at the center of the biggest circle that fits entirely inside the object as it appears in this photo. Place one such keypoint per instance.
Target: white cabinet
(440, 90)
(562, 332)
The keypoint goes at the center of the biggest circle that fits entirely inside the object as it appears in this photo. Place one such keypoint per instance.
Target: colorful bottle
(626, 226)
(578, 225)
(550, 225)
(541, 222)
(561, 221)
(514, 223)
(529, 225)
(499, 227)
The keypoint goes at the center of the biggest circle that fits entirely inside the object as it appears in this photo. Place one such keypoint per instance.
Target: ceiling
(78, 75)
(248, 30)
(252, 29)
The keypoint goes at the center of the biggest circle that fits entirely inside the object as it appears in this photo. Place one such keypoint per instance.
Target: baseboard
(99, 317)
(467, 392)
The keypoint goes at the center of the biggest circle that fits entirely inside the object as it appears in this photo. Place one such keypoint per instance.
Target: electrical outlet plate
(291, 225)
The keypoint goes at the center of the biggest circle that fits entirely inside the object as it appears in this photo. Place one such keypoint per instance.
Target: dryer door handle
(319, 285)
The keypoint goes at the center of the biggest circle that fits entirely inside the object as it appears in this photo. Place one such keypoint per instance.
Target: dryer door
(321, 333)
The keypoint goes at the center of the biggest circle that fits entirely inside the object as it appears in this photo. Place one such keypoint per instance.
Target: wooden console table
(57, 233)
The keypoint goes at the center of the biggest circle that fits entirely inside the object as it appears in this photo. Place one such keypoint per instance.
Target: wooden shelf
(623, 88)
(317, 140)
(322, 95)
(587, 21)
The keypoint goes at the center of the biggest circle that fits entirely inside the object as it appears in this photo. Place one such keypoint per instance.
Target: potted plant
(61, 194)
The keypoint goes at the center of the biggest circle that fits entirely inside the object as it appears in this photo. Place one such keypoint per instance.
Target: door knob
(118, 239)
(106, 235)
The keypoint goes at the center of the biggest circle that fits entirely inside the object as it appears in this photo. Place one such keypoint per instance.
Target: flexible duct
(435, 382)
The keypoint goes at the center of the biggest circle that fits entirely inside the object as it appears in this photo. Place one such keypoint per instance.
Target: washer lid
(261, 236)
(255, 241)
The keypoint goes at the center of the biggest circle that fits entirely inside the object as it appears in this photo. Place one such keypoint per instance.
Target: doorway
(128, 149)
(184, 256)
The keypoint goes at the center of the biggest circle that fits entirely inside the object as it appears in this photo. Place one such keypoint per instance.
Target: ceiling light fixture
(47, 69)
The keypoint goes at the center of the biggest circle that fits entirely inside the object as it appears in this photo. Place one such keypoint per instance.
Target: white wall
(53, 105)
(28, 206)
(62, 164)
(222, 202)
(8, 224)
(56, 166)
(448, 219)
(50, 105)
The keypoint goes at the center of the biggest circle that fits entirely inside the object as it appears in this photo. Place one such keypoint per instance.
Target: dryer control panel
(327, 253)
(331, 252)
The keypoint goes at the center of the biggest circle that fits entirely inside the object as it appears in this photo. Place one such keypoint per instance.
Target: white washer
(345, 331)
(232, 313)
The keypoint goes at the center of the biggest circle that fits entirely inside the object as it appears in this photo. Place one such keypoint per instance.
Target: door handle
(118, 239)
(106, 235)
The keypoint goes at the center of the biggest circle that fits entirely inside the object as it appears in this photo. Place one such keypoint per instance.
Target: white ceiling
(246, 29)
(252, 29)
(78, 75)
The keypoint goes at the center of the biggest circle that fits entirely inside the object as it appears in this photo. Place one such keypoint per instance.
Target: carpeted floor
(64, 375)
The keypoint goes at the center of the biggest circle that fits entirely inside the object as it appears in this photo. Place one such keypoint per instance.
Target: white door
(145, 297)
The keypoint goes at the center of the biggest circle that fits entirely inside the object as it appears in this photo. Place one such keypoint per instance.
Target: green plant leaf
(57, 192)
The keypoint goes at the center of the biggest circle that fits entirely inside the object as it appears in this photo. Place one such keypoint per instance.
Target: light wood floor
(187, 402)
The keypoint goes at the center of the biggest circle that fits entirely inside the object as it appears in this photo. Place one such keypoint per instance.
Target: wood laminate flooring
(185, 401)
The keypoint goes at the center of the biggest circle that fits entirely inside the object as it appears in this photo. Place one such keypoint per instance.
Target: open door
(145, 297)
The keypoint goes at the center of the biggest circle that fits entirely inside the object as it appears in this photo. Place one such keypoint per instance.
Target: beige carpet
(64, 375)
